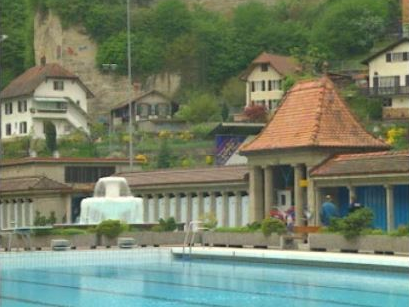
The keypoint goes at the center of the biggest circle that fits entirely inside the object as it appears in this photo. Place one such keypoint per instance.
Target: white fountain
(112, 200)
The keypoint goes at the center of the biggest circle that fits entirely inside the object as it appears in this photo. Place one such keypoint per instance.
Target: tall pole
(128, 22)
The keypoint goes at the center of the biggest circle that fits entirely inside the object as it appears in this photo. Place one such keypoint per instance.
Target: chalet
(47, 92)
(389, 79)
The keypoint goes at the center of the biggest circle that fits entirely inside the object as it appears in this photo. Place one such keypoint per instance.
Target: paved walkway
(366, 261)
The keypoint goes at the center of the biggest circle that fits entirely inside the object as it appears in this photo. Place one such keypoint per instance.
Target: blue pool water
(151, 277)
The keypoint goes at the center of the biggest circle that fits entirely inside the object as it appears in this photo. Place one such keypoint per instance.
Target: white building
(389, 79)
(264, 79)
(43, 93)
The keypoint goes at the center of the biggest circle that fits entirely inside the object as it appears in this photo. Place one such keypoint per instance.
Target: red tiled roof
(282, 64)
(35, 183)
(186, 176)
(365, 163)
(312, 114)
(63, 160)
(26, 83)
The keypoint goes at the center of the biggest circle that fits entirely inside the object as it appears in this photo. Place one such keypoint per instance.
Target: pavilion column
(178, 217)
(225, 216)
(189, 208)
(317, 208)
(201, 203)
(167, 205)
(213, 203)
(310, 196)
(30, 212)
(268, 190)
(238, 209)
(68, 213)
(145, 201)
(390, 215)
(256, 209)
(298, 176)
(352, 192)
(155, 208)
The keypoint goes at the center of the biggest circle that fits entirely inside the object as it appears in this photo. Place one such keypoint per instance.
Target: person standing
(328, 211)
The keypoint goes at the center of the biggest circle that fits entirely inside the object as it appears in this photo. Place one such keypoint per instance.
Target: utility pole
(128, 22)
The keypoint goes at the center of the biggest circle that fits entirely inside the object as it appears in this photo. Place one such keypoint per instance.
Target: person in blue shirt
(328, 210)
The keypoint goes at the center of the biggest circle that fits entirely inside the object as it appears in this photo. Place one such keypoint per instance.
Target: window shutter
(388, 57)
(138, 109)
(263, 85)
(269, 85)
(407, 80)
(252, 86)
(406, 56)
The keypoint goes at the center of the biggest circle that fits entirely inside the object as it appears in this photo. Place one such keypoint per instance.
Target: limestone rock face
(73, 49)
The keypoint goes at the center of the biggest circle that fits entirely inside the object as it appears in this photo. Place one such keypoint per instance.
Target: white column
(318, 204)
(256, 209)
(213, 203)
(201, 203)
(145, 208)
(268, 190)
(177, 206)
(238, 209)
(298, 175)
(155, 208)
(225, 217)
(390, 215)
(31, 212)
(189, 208)
(23, 213)
(167, 205)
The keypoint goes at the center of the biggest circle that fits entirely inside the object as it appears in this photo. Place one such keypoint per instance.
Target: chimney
(43, 60)
(405, 18)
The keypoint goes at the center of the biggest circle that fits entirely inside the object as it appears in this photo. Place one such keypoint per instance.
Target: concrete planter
(41, 242)
(371, 243)
(255, 239)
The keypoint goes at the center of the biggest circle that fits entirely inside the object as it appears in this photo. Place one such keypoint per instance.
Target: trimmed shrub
(270, 225)
(165, 225)
(353, 224)
(111, 228)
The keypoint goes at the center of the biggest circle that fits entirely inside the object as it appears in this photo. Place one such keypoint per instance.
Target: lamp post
(128, 28)
(3, 37)
(108, 68)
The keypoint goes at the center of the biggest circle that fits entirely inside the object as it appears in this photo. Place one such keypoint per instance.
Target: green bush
(254, 226)
(165, 225)
(234, 229)
(209, 220)
(68, 231)
(353, 224)
(402, 231)
(111, 228)
(270, 225)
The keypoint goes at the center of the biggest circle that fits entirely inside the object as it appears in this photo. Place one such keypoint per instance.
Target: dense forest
(206, 47)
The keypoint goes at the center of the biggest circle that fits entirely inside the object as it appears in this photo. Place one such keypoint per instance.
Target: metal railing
(386, 91)
(192, 228)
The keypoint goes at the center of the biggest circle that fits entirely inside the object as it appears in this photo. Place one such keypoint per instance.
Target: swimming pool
(152, 277)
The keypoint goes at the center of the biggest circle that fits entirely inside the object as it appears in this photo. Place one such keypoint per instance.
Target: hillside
(199, 44)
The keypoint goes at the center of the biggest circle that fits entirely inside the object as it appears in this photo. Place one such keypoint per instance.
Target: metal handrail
(191, 233)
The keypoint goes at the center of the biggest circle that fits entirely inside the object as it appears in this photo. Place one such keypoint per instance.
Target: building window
(22, 106)
(397, 57)
(258, 86)
(387, 102)
(253, 87)
(87, 174)
(58, 85)
(272, 104)
(8, 108)
(264, 67)
(23, 128)
(390, 81)
(8, 129)
(274, 85)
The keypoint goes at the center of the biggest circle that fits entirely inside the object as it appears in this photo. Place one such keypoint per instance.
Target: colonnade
(16, 212)
(230, 208)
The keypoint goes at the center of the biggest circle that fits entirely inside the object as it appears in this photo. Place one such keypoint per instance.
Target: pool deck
(320, 259)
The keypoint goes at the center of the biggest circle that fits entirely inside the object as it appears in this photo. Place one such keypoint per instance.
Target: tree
(50, 136)
(233, 93)
(164, 154)
(201, 107)
(350, 27)
(256, 113)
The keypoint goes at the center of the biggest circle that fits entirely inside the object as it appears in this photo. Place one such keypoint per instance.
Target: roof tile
(312, 114)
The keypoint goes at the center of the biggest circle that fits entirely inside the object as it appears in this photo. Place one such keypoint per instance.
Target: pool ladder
(192, 228)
